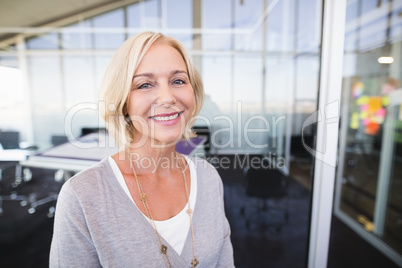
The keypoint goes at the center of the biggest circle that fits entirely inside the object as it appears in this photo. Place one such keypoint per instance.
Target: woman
(146, 206)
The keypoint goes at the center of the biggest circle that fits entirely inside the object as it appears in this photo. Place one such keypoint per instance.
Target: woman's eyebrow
(150, 75)
(178, 72)
(144, 74)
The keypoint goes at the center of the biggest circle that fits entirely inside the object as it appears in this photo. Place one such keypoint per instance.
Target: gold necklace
(143, 197)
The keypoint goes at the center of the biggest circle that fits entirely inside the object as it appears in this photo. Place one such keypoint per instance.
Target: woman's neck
(149, 158)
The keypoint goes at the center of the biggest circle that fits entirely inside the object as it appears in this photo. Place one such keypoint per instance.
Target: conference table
(77, 155)
(72, 157)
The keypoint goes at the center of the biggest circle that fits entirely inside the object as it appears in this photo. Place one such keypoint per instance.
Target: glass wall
(259, 61)
(369, 178)
(256, 58)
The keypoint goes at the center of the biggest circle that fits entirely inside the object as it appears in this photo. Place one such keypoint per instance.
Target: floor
(270, 239)
(348, 249)
(25, 234)
(273, 233)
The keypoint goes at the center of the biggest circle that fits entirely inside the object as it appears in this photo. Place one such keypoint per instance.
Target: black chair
(204, 131)
(266, 204)
(10, 139)
(297, 149)
(58, 139)
(88, 130)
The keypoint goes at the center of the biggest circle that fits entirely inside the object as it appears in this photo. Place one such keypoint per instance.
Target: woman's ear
(126, 115)
(127, 118)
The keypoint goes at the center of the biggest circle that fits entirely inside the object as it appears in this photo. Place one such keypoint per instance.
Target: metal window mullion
(327, 134)
(384, 174)
(23, 66)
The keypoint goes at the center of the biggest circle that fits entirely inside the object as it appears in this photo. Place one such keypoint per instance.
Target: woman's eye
(144, 86)
(178, 82)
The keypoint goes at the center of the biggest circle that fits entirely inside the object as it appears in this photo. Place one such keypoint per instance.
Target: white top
(175, 229)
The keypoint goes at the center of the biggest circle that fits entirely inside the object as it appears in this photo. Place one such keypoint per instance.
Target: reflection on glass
(46, 98)
(258, 60)
(181, 18)
(370, 177)
(248, 16)
(387, 215)
(73, 38)
(308, 15)
(46, 41)
(179, 14)
(214, 18)
(247, 82)
(306, 82)
(10, 60)
(151, 14)
(279, 88)
(107, 23)
(217, 81)
(13, 112)
(133, 16)
(75, 69)
(100, 64)
(281, 36)
(373, 33)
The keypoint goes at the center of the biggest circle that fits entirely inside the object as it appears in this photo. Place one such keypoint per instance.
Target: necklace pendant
(195, 262)
(189, 211)
(164, 249)
(143, 197)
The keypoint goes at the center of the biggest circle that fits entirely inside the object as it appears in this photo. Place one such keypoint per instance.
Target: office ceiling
(36, 13)
(25, 13)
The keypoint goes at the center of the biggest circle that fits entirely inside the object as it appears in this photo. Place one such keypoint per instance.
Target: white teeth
(165, 118)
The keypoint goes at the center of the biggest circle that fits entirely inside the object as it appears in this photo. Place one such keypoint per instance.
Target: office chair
(266, 203)
(58, 139)
(297, 149)
(89, 130)
(10, 139)
(204, 131)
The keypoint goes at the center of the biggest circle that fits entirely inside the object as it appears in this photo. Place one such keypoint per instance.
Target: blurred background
(262, 65)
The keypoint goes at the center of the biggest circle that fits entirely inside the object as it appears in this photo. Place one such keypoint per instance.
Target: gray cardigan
(97, 225)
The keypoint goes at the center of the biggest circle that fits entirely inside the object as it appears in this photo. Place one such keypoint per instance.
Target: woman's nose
(165, 94)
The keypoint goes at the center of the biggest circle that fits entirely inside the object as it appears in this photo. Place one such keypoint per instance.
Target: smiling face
(161, 98)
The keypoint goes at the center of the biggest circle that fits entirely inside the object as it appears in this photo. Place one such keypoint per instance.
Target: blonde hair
(117, 82)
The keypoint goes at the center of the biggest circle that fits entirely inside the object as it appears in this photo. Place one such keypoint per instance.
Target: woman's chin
(166, 140)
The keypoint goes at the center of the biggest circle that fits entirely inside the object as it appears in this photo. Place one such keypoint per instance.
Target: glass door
(369, 174)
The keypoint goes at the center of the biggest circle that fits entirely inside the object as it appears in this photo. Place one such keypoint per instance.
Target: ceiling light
(385, 60)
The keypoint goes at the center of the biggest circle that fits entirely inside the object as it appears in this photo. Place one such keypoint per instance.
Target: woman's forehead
(161, 57)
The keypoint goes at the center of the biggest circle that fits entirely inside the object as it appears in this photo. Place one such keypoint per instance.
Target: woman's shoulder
(89, 178)
(207, 174)
(202, 166)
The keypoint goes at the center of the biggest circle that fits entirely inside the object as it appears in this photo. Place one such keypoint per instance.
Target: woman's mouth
(166, 117)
